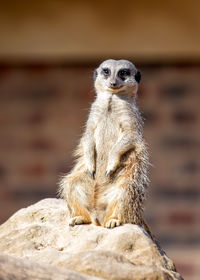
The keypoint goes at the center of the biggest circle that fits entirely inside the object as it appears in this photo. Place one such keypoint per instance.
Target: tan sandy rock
(12, 268)
(40, 234)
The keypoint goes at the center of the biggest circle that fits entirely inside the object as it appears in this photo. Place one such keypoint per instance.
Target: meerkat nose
(113, 84)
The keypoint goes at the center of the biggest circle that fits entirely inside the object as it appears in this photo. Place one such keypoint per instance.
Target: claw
(78, 220)
(91, 174)
(108, 172)
(113, 223)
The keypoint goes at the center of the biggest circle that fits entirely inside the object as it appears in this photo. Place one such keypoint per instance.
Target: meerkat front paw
(90, 169)
(110, 170)
(91, 173)
(112, 165)
(78, 220)
(108, 173)
(113, 223)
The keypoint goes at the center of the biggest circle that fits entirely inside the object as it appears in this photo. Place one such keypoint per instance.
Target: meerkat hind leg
(78, 220)
(112, 223)
(79, 215)
(112, 220)
(78, 199)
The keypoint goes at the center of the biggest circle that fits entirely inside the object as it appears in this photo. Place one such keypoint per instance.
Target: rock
(17, 269)
(40, 235)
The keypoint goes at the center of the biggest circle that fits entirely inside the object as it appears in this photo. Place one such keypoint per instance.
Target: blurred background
(48, 51)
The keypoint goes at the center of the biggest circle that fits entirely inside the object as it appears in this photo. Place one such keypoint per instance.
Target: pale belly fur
(106, 135)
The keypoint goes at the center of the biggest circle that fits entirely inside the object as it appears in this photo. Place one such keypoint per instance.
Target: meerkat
(108, 183)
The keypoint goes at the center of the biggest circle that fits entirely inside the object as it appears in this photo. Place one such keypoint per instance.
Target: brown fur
(108, 183)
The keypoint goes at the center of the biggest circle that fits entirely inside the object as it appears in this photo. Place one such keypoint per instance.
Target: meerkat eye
(106, 71)
(123, 73)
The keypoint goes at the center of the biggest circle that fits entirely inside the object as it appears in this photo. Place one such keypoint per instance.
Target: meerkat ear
(95, 74)
(138, 76)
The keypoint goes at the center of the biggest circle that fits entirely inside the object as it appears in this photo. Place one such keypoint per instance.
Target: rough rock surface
(12, 268)
(40, 238)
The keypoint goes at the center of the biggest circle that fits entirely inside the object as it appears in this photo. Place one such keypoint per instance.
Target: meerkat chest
(107, 129)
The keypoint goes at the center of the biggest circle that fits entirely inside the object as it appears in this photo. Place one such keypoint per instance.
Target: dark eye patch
(106, 71)
(123, 73)
(138, 76)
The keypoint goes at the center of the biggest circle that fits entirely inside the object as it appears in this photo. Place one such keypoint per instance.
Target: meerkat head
(117, 77)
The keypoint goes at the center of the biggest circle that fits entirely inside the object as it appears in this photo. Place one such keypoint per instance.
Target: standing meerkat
(108, 183)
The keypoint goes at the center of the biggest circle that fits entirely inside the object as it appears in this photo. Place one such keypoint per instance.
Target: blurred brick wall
(42, 114)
